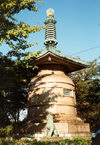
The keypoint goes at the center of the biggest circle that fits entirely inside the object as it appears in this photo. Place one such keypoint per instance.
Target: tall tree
(12, 31)
(15, 75)
(87, 83)
(10, 28)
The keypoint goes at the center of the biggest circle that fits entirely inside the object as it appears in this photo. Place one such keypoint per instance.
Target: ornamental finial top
(50, 12)
(50, 30)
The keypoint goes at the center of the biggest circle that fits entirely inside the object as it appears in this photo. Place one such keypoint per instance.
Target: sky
(78, 32)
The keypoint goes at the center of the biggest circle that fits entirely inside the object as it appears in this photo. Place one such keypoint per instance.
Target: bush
(2, 132)
(82, 141)
(7, 131)
(66, 141)
(74, 141)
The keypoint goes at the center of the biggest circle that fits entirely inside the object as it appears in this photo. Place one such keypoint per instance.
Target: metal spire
(50, 31)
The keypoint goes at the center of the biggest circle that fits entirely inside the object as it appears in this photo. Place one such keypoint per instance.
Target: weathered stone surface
(47, 96)
(78, 128)
(62, 128)
(47, 93)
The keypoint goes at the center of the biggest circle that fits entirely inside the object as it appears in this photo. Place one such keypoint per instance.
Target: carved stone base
(72, 128)
(68, 130)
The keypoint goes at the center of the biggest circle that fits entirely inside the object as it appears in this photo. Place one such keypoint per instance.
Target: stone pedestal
(68, 130)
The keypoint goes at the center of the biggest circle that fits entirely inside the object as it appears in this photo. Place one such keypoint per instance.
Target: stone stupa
(52, 91)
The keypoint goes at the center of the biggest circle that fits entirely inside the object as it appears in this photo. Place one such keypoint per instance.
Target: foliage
(81, 141)
(10, 29)
(2, 132)
(7, 131)
(13, 32)
(75, 141)
(87, 83)
(15, 77)
(15, 74)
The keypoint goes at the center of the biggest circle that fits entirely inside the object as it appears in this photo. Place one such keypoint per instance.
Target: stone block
(62, 128)
(78, 128)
